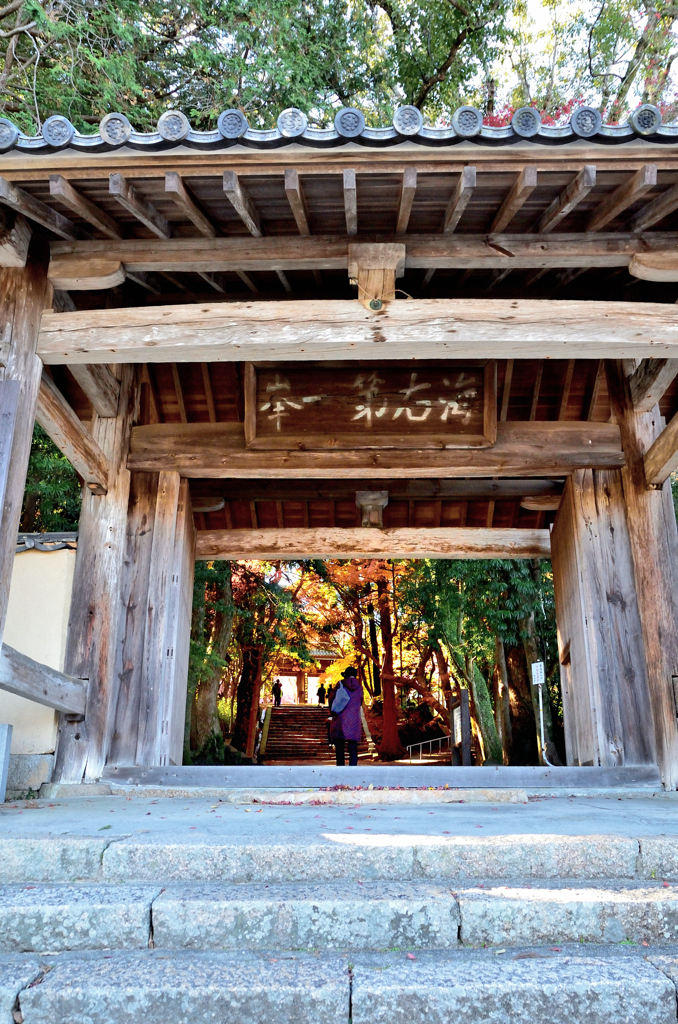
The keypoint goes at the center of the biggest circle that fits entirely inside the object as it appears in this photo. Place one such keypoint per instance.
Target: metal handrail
(438, 739)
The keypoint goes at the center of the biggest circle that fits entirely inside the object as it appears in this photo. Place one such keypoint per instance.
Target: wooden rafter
(209, 395)
(564, 204)
(241, 202)
(655, 211)
(506, 394)
(521, 191)
(295, 197)
(408, 190)
(536, 389)
(595, 390)
(350, 201)
(567, 385)
(184, 201)
(178, 390)
(60, 188)
(130, 200)
(459, 199)
(624, 196)
(34, 209)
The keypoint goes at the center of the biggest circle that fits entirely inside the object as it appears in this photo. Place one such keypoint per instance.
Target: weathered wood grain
(345, 490)
(24, 293)
(364, 542)
(661, 459)
(92, 644)
(242, 204)
(28, 678)
(408, 190)
(524, 186)
(650, 380)
(34, 209)
(218, 450)
(130, 200)
(175, 187)
(655, 211)
(100, 385)
(350, 201)
(59, 421)
(459, 199)
(86, 275)
(343, 329)
(624, 196)
(654, 546)
(295, 197)
(15, 237)
(330, 252)
(9, 403)
(178, 633)
(661, 267)
(61, 189)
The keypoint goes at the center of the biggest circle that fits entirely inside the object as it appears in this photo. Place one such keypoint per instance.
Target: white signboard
(456, 726)
(538, 673)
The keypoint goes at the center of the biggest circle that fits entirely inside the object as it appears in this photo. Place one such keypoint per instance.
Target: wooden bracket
(372, 505)
(374, 268)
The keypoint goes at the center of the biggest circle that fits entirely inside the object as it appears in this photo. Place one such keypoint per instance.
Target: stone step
(349, 854)
(572, 985)
(344, 916)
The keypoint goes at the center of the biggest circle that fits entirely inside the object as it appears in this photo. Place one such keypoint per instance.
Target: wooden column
(24, 293)
(91, 652)
(654, 547)
(606, 697)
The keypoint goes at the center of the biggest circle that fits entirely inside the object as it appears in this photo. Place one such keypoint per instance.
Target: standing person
(346, 726)
(322, 693)
(276, 690)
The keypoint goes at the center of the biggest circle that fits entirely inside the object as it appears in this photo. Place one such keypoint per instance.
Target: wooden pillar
(606, 697)
(24, 293)
(654, 547)
(91, 648)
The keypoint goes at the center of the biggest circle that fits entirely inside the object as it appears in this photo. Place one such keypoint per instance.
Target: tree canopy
(85, 58)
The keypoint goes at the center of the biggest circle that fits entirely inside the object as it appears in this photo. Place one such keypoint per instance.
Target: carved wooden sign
(435, 405)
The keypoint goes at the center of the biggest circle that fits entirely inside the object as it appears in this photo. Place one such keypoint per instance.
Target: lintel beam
(59, 421)
(344, 329)
(650, 380)
(366, 542)
(25, 677)
(218, 451)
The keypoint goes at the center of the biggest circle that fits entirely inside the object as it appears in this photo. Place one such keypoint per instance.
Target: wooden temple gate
(378, 343)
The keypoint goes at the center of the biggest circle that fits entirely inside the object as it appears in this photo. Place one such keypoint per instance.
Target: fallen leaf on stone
(104, 827)
(498, 952)
(411, 956)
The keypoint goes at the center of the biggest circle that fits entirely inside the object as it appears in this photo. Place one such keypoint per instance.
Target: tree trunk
(391, 748)
(524, 749)
(532, 654)
(483, 711)
(207, 714)
(197, 637)
(502, 712)
(246, 691)
(376, 678)
(444, 673)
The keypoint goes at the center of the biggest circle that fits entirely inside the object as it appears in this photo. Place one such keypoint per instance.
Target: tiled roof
(174, 129)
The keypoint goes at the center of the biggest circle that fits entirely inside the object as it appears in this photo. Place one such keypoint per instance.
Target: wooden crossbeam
(59, 421)
(523, 188)
(25, 677)
(240, 200)
(61, 189)
(34, 209)
(218, 450)
(350, 201)
(564, 204)
(340, 329)
(661, 459)
(655, 211)
(628, 193)
(650, 380)
(408, 190)
(459, 199)
(330, 252)
(364, 542)
(177, 190)
(130, 200)
(403, 489)
(100, 385)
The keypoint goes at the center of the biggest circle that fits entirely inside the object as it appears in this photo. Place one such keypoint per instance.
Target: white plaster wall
(37, 622)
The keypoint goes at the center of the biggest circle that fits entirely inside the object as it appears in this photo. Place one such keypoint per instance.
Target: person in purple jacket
(346, 727)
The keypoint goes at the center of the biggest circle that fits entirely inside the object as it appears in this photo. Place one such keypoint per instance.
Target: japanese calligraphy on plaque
(437, 405)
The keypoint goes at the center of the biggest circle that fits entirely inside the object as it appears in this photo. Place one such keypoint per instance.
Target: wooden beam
(663, 206)
(130, 200)
(35, 210)
(242, 204)
(209, 394)
(243, 255)
(344, 329)
(523, 188)
(628, 193)
(100, 385)
(60, 188)
(25, 677)
(350, 202)
(402, 489)
(564, 204)
(296, 200)
(567, 385)
(408, 190)
(176, 189)
(15, 238)
(595, 390)
(536, 389)
(179, 393)
(211, 281)
(661, 460)
(218, 450)
(364, 542)
(506, 394)
(541, 503)
(459, 199)
(58, 420)
(650, 380)
(86, 274)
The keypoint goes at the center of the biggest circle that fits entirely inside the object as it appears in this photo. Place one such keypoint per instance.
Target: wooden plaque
(436, 405)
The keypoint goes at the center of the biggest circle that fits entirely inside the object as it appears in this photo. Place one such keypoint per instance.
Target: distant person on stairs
(322, 693)
(276, 690)
(345, 729)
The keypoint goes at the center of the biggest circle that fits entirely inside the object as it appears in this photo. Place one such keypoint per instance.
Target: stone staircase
(394, 929)
(298, 732)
